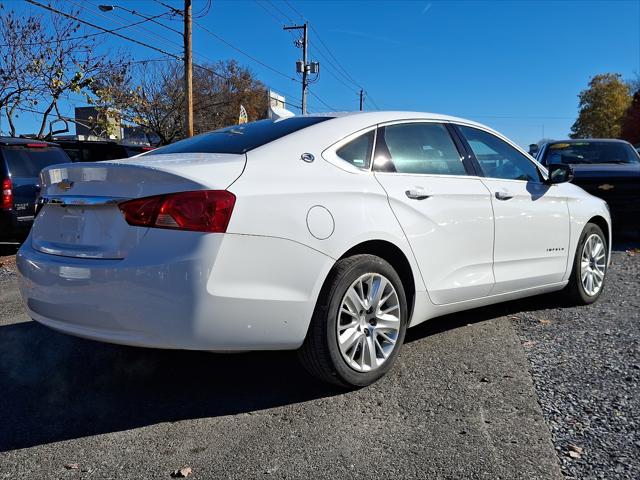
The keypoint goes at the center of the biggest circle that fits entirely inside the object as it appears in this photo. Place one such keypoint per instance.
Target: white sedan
(329, 234)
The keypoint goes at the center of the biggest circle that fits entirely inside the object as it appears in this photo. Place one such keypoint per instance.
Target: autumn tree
(631, 122)
(602, 107)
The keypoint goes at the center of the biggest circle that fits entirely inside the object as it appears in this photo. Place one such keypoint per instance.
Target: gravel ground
(7, 260)
(585, 364)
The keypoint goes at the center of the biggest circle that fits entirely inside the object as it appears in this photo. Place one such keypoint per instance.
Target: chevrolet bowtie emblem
(64, 185)
(605, 186)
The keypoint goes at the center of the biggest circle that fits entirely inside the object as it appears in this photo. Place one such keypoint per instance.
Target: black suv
(21, 160)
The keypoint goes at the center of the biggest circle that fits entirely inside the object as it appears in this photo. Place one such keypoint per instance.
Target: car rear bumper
(180, 290)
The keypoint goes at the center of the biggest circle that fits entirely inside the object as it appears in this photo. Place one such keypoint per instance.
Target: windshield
(590, 152)
(240, 138)
(27, 161)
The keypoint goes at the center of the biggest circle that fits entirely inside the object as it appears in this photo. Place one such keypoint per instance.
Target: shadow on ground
(55, 387)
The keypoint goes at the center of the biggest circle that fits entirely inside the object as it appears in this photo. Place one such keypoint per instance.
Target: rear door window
(417, 148)
(240, 138)
(28, 162)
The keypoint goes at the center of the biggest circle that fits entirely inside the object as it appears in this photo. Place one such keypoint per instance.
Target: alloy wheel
(368, 322)
(593, 264)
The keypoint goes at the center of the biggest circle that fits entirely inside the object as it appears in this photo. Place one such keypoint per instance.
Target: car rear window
(240, 138)
(590, 152)
(24, 161)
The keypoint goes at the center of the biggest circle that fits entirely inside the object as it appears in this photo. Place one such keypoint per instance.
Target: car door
(443, 208)
(531, 217)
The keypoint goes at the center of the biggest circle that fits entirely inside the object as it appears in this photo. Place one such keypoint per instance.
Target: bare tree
(149, 95)
(19, 62)
(44, 59)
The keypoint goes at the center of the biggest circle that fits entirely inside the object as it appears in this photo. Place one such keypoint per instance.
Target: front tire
(589, 266)
(358, 325)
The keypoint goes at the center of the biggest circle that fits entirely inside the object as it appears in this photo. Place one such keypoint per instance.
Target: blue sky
(516, 66)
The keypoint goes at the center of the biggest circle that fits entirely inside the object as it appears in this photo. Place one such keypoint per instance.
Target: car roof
(391, 115)
(23, 141)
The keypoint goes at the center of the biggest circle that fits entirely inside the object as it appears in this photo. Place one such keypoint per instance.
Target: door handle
(417, 193)
(503, 195)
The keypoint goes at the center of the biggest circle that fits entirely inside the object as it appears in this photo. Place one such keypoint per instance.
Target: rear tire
(353, 340)
(590, 264)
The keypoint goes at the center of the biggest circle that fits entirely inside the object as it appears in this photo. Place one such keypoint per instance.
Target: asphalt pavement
(460, 403)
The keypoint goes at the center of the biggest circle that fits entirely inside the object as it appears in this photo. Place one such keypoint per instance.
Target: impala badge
(606, 186)
(64, 185)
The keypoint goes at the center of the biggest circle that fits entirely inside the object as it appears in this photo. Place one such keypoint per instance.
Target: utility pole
(188, 71)
(303, 66)
(361, 99)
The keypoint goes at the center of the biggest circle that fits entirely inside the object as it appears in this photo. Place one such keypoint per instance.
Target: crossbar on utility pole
(305, 79)
(188, 71)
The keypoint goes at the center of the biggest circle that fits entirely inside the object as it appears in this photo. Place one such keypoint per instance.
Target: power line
(81, 37)
(356, 83)
(154, 37)
(251, 57)
(108, 8)
(294, 9)
(168, 54)
(105, 30)
(268, 11)
(273, 5)
(313, 94)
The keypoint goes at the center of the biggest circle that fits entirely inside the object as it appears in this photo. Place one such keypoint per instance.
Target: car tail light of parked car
(7, 194)
(200, 211)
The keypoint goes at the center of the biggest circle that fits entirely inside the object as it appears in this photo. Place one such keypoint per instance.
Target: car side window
(358, 151)
(419, 148)
(498, 159)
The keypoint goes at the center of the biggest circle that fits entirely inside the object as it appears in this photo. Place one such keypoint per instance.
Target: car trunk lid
(80, 216)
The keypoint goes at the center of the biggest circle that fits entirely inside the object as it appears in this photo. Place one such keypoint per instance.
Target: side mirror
(559, 173)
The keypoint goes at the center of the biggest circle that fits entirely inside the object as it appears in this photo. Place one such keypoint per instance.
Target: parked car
(609, 169)
(328, 234)
(99, 150)
(21, 160)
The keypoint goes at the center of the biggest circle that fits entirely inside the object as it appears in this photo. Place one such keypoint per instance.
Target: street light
(106, 8)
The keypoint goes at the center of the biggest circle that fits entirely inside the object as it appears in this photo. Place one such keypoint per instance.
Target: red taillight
(200, 211)
(148, 149)
(37, 145)
(7, 194)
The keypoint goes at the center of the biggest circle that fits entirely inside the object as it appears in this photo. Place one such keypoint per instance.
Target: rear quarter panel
(278, 190)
